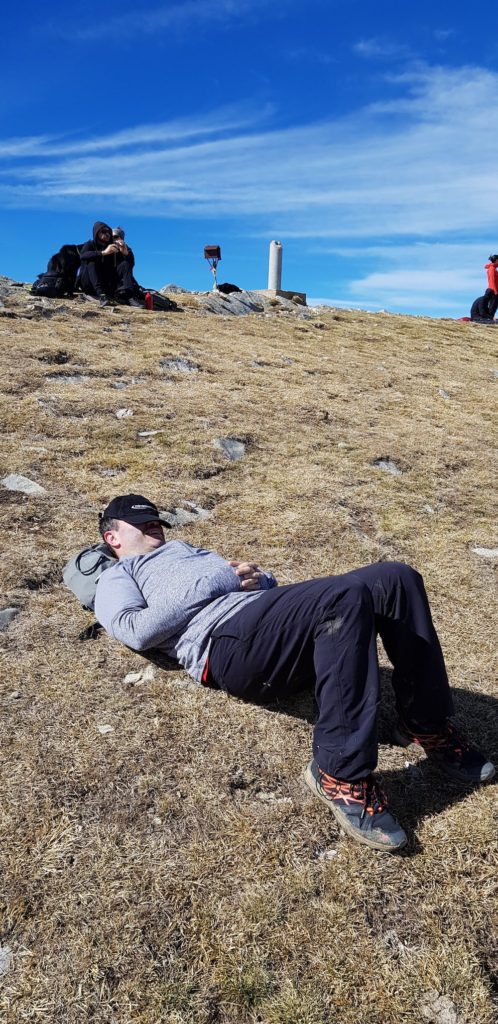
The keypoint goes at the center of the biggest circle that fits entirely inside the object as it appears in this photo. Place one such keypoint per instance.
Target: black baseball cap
(132, 508)
(493, 258)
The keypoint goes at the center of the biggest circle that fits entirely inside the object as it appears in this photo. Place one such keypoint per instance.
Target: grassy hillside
(172, 868)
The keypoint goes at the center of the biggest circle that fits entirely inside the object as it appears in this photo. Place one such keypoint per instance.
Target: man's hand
(248, 573)
(111, 248)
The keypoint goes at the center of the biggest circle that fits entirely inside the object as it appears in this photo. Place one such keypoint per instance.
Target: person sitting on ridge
(479, 310)
(107, 268)
(491, 269)
(232, 627)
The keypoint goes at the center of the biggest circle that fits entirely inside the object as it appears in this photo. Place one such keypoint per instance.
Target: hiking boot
(450, 751)
(104, 301)
(359, 807)
(136, 303)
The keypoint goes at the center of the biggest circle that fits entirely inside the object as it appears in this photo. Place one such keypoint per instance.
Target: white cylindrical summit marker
(275, 267)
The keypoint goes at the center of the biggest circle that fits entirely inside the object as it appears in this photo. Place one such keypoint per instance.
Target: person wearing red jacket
(491, 269)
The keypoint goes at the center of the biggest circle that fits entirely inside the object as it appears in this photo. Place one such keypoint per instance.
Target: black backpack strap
(96, 565)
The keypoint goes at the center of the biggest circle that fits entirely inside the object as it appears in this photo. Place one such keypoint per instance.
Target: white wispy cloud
(381, 49)
(420, 164)
(443, 34)
(431, 275)
(172, 17)
(228, 119)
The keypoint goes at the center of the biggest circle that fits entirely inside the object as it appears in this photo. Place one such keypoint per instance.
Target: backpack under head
(83, 571)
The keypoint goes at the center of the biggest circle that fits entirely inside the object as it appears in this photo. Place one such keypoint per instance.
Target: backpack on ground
(51, 286)
(83, 571)
(61, 274)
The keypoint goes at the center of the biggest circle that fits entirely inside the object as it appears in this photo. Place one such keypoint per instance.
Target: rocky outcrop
(240, 303)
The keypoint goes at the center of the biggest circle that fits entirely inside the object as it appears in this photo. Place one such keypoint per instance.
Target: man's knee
(354, 595)
(401, 573)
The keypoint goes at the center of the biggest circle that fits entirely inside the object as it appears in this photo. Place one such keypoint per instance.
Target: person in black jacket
(107, 268)
(480, 307)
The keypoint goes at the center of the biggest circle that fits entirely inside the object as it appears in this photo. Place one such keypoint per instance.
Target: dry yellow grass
(174, 870)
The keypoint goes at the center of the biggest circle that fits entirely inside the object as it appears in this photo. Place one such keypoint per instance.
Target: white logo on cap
(142, 506)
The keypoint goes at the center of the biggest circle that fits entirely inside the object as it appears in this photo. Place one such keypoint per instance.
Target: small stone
(486, 552)
(15, 695)
(104, 730)
(393, 942)
(121, 385)
(6, 616)
(184, 683)
(388, 465)
(190, 513)
(444, 394)
(17, 482)
(149, 433)
(268, 797)
(429, 509)
(231, 447)
(132, 678)
(182, 365)
(123, 414)
(6, 955)
(438, 1009)
(495, 373)
(327, 855)
(341, 444)
(157, 820)
(66, 378)
(146, 675)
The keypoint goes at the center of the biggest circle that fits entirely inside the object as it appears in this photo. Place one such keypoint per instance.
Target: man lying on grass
(231, 627)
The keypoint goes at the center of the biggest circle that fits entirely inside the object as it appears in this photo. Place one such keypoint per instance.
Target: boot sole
(374, 844)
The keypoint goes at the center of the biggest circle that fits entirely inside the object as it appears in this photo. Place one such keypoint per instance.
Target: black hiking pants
(99, 279)
(492, 298)
(322, 633)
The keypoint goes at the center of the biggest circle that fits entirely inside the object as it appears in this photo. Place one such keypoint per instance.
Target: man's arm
(122, 610)
(94, 254)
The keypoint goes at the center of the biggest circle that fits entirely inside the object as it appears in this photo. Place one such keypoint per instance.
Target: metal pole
(275, 266)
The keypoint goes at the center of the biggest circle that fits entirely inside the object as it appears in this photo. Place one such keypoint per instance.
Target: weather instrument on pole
(212, 253)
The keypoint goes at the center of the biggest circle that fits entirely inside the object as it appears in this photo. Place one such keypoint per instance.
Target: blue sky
(361, 136)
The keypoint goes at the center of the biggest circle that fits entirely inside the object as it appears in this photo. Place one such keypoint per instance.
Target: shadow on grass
(419, 790)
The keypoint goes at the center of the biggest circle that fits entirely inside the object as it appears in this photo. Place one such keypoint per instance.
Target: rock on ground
(231, 447)
(17, 482)
(6, 616)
